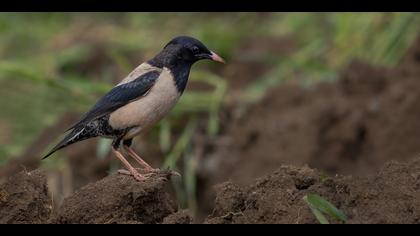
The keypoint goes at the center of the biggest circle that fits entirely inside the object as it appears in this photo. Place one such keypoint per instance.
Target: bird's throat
(180, 74)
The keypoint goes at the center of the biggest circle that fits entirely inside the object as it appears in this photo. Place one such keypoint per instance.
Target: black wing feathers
(67, 140)
(120, 96)
(114, 99)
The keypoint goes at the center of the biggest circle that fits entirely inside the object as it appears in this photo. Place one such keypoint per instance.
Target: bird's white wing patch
(140, 70)
(77, 134)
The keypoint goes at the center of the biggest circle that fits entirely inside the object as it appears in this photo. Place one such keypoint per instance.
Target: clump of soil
(118, 199)
(24, 199)
(391, 196)
(115, 199)
(179, 217)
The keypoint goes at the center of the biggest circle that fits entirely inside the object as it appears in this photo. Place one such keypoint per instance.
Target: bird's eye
(195, 50)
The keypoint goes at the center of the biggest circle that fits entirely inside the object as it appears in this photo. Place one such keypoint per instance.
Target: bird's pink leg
(130, 168)
(134, 155)
(146, 166)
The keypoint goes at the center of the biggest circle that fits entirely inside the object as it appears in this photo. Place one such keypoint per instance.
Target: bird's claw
(136, 175)
(124, 172)
(175, 173)
(147, 173)
(139, 177)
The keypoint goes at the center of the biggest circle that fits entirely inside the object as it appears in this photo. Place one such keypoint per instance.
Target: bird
(139, 101)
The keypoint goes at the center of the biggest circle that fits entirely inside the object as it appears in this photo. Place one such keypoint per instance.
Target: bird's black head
(179, 55)
(183, 50)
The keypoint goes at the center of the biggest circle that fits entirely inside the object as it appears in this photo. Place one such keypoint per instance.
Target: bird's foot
(151, 171)
(147, 173)
(144, 171)
(137, 175)
(134, 173)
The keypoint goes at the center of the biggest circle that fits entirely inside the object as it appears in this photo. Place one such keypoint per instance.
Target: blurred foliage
(51, 63)
(327, 42)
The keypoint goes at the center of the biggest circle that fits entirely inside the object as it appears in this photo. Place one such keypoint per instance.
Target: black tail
(75, 135)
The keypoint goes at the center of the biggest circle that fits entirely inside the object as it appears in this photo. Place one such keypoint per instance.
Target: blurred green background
(52, 63)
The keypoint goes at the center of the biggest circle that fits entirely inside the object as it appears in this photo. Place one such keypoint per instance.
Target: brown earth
(24, 199)
(390, 196)
(179, 217)
(118, 199)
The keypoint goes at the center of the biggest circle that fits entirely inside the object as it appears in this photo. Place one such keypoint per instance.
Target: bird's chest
(149, 109)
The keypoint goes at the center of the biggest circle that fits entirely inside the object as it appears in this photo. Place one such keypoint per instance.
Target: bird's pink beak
(216, 57)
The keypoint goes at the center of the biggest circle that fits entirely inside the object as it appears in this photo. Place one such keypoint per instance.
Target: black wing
(119, 96)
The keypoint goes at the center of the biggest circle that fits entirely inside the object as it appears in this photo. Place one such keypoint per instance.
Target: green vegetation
(319, 206)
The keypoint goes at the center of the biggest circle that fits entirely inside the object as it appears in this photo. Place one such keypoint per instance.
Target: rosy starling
(140, 100)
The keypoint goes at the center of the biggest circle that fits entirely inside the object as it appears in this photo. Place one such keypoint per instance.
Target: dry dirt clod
(118, 199)
(24, 199)
(179, 217)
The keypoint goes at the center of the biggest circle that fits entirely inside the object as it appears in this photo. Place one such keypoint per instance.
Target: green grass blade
(319, 205)
(165, 135)
(190, 180)
(319, 216)
(180, 145)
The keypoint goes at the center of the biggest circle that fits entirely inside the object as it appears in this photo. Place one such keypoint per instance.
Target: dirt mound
(391, 196)
(118, 199)
(114, 199)
(24, 199)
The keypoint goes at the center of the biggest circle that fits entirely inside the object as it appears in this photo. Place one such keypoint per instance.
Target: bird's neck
(179, 69)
